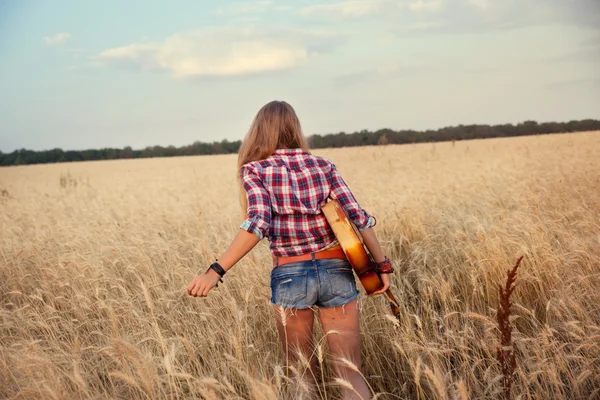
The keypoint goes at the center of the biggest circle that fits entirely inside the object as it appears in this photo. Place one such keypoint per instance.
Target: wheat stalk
(506, 351)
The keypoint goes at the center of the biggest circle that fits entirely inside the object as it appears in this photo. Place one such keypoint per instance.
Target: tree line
(341, 139)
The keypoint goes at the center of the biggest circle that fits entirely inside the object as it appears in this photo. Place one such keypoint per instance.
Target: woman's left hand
(385, 278)
(202, 284)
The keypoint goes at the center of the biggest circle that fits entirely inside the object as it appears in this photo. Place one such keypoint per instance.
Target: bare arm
(373, 245)
(243, 242)
(370, 240)
(253, 229)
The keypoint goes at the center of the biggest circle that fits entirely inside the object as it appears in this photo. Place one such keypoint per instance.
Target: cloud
(577, 12)
(219, 52)
(517, 13)
(585, 82)
(349, 9)
(363, 8)
(462, 16)
(248, 7)
(483, 4)
(478, 16)
(588, 51)
(385, 71)
(426, 6)
(57, 39)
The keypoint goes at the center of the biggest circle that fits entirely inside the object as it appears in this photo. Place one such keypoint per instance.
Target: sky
(112, 73)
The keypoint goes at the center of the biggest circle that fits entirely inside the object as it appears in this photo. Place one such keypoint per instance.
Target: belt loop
(276, 261)
(313, 257)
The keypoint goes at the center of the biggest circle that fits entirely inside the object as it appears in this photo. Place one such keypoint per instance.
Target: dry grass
(92, 277)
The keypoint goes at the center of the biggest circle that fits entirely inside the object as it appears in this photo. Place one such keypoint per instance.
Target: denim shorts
(324, 283)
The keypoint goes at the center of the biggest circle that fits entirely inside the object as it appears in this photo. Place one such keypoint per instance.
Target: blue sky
(90, 74)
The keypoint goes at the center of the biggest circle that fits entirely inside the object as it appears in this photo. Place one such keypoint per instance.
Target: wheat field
(95, 258)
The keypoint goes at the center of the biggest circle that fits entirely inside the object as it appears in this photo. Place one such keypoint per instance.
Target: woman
(285, 186)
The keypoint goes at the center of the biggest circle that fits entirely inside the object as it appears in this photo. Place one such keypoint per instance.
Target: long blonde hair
(275, 126)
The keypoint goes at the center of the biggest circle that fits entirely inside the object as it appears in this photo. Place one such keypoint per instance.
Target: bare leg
(341, 324)
(295, 331)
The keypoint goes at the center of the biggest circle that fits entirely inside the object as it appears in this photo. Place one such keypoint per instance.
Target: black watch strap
(217, 268)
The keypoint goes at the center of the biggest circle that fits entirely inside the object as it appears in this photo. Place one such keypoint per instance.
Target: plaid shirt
(285, 193)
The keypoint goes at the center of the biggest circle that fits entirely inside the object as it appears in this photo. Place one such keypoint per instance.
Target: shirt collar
(289, 152)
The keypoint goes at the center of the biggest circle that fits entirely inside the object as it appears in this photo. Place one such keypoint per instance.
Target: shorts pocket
(341, 281)
(289, 287)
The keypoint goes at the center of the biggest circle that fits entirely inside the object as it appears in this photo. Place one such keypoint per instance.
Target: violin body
(352, 244)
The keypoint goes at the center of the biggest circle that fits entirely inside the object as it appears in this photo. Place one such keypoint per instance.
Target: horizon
(326, 134)
(111, 75)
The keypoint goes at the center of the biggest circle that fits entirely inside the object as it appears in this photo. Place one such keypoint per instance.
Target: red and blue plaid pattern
(285, 193)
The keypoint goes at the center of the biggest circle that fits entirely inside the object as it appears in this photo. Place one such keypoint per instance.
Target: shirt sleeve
(258, 219)
(341, 192)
